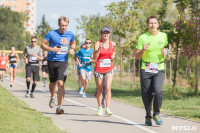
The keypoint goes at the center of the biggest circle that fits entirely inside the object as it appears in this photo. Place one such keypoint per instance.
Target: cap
(105, 29)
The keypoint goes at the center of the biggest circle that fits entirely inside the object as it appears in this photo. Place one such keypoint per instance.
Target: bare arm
(78, 62)
(47, 48)
(24, 56)
(73, 46)
(97, 49)
(17, 58)
(139, 53)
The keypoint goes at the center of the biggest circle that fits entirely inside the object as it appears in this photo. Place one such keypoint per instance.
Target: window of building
(33, 1)
(27, 7)
(33, 8)
(32, 22)
(13, 7)
(13, 0)
(7, 0)
(27, 0)
(32, 15)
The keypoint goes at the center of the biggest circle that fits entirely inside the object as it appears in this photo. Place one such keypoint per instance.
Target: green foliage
(12, 31)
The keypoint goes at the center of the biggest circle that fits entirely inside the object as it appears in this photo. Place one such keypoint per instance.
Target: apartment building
(27, 6)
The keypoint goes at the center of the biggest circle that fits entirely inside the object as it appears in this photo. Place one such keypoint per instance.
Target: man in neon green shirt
(150, 47)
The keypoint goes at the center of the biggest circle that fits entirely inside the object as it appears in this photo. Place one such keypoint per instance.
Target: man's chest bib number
(151, 67)
(33, 59)
(105, 62)
(3, 62)
(63, 50)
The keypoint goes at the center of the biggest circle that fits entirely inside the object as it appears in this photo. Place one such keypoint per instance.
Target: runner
(80, 84)
(3, 61)
(32, 55)
(44, 67)
(104, 53)
(59, 41)
(13, 59)
(150, 47)
(85, 65)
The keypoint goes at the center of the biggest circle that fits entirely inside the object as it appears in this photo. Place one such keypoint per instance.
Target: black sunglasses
(33, 41)
(87, 42)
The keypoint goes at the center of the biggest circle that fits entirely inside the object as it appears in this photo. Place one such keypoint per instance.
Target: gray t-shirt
(29, 51)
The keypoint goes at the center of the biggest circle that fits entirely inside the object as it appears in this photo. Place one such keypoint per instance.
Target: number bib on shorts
(105, 62)
(151, 67)
(3, 62)
(63, 50)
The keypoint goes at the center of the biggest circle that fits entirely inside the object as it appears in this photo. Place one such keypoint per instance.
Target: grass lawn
(18, 117)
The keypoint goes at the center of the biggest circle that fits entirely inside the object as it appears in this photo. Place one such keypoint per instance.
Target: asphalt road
(81, 113)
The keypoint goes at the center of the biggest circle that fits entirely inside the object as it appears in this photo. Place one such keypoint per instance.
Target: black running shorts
(57, 70)
(34, 70)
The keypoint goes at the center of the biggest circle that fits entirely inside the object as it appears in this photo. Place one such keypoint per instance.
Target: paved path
(80, 114)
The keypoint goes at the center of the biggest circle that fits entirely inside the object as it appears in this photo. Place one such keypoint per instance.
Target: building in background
(27, 6)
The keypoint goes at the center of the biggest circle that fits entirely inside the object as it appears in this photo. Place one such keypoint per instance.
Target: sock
(33, 87)
(28, 84)
(44, 80)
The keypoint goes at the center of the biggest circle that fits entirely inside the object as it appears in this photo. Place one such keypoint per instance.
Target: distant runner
(85, 64)
(3, 62)
(32, 55)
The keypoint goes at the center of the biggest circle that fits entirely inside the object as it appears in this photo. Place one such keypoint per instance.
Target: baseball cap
(105, 29)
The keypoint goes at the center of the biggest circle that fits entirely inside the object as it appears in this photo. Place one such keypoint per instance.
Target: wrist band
(167, 50)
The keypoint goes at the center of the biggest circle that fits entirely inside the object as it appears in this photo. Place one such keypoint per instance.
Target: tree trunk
(121, 51)
(134, 69)
(170, 71)
(129, 68)
(196, 74)
(176, 65)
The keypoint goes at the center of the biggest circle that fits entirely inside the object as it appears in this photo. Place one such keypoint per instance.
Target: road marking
(116, 116)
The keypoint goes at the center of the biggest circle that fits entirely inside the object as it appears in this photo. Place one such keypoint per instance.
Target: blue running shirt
(85, 59)
(63, 41)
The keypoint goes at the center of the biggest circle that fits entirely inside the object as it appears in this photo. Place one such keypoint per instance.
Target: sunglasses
(87, 42)
(33, 41)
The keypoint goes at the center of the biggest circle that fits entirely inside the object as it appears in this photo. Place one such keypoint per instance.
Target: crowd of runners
(60, 43)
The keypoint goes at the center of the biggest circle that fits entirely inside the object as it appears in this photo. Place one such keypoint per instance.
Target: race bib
(3, 62)
(63, 50)
(151, 67)
(105, 62)
(44, 62)
(12, 59)
(33, 59)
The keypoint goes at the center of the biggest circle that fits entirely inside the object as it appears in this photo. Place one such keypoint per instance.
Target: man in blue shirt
(80, 83)
(85, 64)
(61, 43)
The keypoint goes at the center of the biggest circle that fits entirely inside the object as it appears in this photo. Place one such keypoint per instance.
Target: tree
(12, 31)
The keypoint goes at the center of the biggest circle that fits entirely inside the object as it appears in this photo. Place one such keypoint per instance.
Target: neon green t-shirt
(153, 53)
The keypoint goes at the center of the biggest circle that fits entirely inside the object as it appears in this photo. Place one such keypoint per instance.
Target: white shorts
(87, 74)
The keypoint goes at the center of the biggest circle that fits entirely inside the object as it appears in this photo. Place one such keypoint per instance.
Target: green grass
(17, 117)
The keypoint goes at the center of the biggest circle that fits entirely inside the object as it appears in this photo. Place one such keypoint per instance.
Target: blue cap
(105, 29)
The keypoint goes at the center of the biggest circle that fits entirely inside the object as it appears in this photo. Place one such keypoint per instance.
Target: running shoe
(52, 102)
(84, 95)
(27, 93)
(32, 96)
(81, 91)
(148, 121)
(108, 112)
(59, 110)
(157, 119)
(99, 111)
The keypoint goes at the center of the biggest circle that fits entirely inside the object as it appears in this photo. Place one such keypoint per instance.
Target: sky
(73, 9)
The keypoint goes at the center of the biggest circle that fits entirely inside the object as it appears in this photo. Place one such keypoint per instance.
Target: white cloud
(104, 2)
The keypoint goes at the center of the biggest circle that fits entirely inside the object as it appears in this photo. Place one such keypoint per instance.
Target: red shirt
(104, 63)
(3, 61)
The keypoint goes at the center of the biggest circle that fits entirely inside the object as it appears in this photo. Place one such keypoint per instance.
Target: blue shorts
(13, 65)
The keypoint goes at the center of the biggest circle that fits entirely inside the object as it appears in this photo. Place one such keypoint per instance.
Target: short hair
(63, 18)
(82, 45)
(12, 47)
(87, 39)
(151, 17)
(33, 37)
